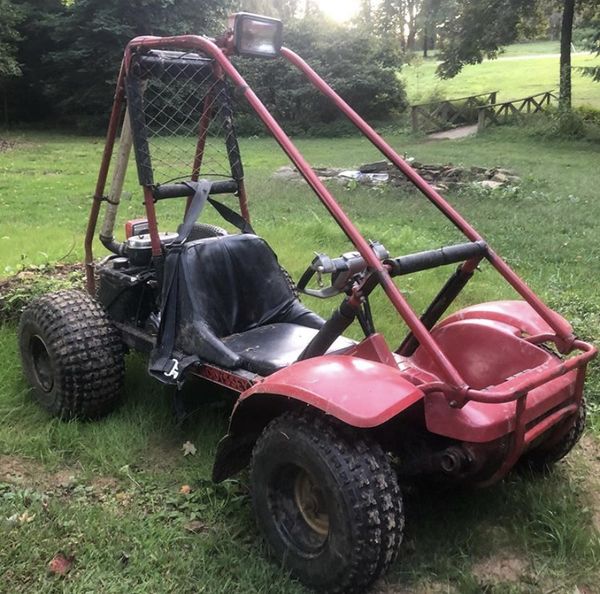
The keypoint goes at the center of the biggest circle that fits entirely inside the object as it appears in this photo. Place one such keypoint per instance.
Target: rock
(326, 171)
(377, 167)
(286, 173)
(500, 177)
(441, 177)
(489, 184)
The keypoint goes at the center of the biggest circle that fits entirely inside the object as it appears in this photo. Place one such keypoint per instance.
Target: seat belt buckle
(173, 373)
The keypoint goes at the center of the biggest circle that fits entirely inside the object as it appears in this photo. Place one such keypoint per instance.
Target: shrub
(362, 69)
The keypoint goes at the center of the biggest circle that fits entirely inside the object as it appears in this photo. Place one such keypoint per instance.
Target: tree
(39, 17)
(473, 31)
(478, 29)
(360, 67)
(566, 40)
(286, 10)
(90, 38)
(9, 36)
(429, 19)
(591, 39)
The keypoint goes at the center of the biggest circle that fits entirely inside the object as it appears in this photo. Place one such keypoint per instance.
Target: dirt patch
(588, 452)
(426, 587)
(25, 472)
(17, 290)
(503, 568)
(104, 483)
(6, 145)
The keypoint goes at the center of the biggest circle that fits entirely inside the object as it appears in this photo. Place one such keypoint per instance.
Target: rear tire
(327, 502)
(72, 355)
(542, 459)
(204, 231)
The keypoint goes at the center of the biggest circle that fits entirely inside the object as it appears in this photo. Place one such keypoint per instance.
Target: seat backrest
(228, 285)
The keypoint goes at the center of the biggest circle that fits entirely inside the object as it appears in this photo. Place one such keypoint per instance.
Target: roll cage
(217, 53)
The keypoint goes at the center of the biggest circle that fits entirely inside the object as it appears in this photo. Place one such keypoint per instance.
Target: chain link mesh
(185, 128)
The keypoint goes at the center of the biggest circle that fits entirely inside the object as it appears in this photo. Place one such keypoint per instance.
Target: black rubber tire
(204, 231)
(357, 486)
(72, 355)
(542, 459)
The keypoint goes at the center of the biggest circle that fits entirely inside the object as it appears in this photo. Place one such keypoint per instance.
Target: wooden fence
(499, 113)
(450, 113)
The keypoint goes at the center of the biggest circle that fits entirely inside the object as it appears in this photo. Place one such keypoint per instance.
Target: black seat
(266, 349)
(235, 306)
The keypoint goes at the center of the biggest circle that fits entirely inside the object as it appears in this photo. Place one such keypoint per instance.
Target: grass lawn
(107, 493)
(518, 73)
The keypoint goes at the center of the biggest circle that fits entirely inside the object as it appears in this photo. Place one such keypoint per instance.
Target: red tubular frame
(451, 384)
(562, 329)
(111, 135)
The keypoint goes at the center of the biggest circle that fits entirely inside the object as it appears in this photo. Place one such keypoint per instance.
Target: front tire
(72, 355)
(327, 502)
(542, 459)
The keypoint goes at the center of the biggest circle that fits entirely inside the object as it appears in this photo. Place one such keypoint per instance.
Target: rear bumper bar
(527, 430)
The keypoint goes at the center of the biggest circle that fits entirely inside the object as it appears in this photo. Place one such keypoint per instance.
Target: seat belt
(232, 217)
(201, 191)
(162, 364)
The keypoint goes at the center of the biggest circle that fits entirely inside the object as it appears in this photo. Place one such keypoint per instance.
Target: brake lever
(343, 270)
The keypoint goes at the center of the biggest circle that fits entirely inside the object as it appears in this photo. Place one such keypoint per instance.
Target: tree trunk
(5, 103)
(566, 38)
(425, 40)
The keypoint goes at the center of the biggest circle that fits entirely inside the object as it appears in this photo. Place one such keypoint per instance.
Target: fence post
(481, 113)
(492, 98)
(415, 119)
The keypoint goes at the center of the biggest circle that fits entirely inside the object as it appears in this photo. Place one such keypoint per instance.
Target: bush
(582, 123)
(362, 69)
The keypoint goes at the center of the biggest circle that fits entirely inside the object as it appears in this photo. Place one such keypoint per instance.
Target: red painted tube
(202, 133)
(111, 135)
(515, 281)
(152, 223)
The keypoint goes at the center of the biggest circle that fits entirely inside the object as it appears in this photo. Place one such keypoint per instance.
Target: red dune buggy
(327, 424)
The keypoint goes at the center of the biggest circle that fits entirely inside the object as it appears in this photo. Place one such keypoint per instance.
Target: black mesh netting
(181, 115)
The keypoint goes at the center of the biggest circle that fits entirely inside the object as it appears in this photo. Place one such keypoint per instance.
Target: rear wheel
(204, 231)
(543, 458)
(327, 502)
(72, 355)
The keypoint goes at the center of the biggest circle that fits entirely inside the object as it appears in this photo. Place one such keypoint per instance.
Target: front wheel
(327, 502)
(543, 458)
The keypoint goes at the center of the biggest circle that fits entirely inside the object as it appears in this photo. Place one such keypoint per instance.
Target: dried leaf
(185, 489)
(195, 526)
(60, 564)
(188, 448)
(26, 517)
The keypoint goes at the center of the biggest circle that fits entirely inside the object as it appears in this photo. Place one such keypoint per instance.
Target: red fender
(487, 344)
(514, 313)
(359, 392)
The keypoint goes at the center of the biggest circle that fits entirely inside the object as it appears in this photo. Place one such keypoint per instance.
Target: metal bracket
(174, 371)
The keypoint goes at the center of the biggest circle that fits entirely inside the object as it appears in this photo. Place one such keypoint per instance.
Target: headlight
(255, 35)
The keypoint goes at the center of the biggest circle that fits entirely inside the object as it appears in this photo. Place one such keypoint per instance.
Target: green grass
(514, 75)
(122, 515)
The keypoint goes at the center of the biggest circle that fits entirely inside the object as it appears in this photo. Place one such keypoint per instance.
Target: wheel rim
(301, 510)
(41, 362)
(311, 503)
